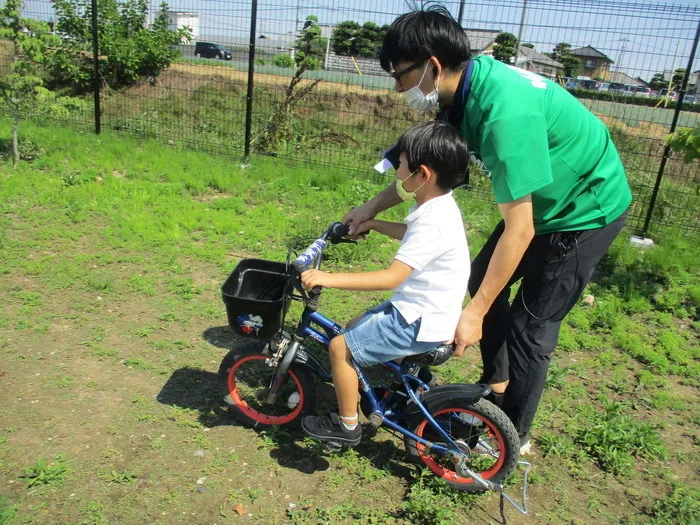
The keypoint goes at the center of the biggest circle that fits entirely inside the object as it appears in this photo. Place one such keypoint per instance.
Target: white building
(179, 19)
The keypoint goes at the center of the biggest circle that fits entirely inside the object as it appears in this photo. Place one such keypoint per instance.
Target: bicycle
(461, 437)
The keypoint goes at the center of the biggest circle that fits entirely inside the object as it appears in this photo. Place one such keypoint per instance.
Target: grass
(112, 252)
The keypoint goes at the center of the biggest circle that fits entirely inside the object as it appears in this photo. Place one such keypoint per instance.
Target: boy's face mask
(407, 195)
(416, 99)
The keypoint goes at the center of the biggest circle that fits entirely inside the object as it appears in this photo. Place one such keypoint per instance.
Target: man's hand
(356, 218)
(468, 330)
(311, 278)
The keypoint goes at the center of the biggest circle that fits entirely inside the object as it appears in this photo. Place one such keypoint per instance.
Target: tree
(658, 81)
(528, 45)
(504, 47)
(677, 80)
(562, 54)
(310, 46)
(21, 89)
(352, 39)
(129, 50)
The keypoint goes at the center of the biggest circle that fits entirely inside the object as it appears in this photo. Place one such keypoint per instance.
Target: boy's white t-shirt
(435, 246)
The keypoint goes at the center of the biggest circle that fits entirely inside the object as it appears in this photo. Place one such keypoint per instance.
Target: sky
(642, 37)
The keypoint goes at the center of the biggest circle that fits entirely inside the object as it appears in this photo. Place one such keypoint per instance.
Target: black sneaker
(328, 428)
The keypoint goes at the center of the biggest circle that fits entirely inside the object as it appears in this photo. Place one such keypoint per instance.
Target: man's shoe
(329, 429)
(525, 445)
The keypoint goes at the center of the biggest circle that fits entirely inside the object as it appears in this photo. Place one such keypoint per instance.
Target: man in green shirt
(558, 182)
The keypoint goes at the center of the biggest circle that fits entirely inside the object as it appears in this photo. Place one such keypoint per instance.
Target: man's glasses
(398, 74)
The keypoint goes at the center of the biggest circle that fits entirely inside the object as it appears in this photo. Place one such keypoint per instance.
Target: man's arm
(509, 251)
(383, 200)
(387, 279)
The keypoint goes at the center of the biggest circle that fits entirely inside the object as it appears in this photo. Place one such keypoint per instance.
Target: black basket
(256, 295)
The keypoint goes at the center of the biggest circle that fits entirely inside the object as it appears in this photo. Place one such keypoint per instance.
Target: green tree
(677, 80)
(129, 50)
(529, 45)
(310, 46)
(21, 88)
(352, 39)
(658, 81)
(504, 47)
(562, 54)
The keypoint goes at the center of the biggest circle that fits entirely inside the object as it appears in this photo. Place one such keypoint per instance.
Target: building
(179, 19)
(624, 78)
(531, 60)
(594, 64)
(481, 41)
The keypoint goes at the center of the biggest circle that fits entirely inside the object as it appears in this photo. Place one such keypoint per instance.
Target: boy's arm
(387, 279)
(395, 230)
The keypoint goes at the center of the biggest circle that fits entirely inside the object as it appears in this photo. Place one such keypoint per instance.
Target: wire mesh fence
(626, 60)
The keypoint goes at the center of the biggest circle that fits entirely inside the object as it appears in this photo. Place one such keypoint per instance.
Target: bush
(129, 49)
(284, 61)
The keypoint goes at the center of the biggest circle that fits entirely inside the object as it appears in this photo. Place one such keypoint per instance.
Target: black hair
(439, 146)
(425, 32)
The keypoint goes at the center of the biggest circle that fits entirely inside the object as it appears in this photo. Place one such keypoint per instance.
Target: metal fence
(231, 104)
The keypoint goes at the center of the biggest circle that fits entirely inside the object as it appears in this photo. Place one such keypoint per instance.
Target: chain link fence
(234, 88)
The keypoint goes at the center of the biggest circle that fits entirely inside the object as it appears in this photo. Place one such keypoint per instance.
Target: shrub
(284, 61)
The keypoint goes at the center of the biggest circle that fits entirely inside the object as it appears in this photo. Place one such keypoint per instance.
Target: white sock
(347, 422)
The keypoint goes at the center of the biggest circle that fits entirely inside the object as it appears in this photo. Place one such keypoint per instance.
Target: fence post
(251, 78)
(96, 69)
(461, 12)
(667, 149)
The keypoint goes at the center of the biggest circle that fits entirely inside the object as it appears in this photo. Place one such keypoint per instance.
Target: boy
(427, 275)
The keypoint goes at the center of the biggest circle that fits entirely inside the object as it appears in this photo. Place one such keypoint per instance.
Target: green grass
(112, 252)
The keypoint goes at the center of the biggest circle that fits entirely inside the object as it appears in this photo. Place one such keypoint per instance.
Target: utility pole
(670, 77)
(622, 54)
(520, 33)
(461, 12)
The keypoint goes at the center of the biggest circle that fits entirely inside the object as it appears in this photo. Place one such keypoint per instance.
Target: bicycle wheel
(245, 378)
(481, 430)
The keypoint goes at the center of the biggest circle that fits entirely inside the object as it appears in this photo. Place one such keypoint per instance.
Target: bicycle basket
(256, 295)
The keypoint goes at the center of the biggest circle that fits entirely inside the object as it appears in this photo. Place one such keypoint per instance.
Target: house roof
(480, 39)
(529, 54)
(590, 52)
(624, 78)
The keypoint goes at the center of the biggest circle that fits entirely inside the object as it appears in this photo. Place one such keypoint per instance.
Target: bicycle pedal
(368, 430)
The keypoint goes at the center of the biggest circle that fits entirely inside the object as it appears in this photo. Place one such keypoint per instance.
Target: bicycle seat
(435, 357)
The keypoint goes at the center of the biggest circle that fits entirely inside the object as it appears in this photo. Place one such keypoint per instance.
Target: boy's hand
(311, 278)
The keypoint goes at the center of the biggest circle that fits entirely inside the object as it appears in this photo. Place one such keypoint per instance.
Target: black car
(209, 50)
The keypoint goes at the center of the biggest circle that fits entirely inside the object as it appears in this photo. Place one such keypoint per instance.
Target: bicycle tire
(495, 434)
(244, 377)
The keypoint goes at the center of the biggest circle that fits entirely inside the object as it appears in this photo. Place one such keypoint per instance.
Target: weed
(120, 477)
(614, 438)
(45, 473)
(681, 506)
(7, 511)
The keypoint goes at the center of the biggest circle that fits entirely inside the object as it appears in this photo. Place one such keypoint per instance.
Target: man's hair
(426, 32)
(440, 147)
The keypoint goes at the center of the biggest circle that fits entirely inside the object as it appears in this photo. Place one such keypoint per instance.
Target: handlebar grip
(307, 257)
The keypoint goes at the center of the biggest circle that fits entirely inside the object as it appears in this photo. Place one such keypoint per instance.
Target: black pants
(519, 338)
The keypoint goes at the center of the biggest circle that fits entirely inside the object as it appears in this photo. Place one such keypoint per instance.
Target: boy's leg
(345, 380)
(342, 428)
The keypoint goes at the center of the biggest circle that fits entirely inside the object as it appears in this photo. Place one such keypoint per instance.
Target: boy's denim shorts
(382, 335)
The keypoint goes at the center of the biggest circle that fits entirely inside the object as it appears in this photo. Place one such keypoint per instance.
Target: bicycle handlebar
(312, 254)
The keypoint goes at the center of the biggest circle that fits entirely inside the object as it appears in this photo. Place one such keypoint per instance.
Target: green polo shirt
(536, 138)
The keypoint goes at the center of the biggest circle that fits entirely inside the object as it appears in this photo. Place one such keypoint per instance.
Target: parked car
(571, 84)
(604, 86)
(616, 87)
(690, 99)
(211, 50)
(588, 84)
(672, 95)
(640, 91)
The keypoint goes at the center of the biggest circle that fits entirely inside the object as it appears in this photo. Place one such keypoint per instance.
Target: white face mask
(416, 99)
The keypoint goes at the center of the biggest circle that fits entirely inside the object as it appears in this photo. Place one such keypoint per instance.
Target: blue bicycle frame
(311, 319)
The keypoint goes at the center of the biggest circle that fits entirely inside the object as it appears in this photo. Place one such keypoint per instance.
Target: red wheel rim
(250, 411)
(451, 475)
